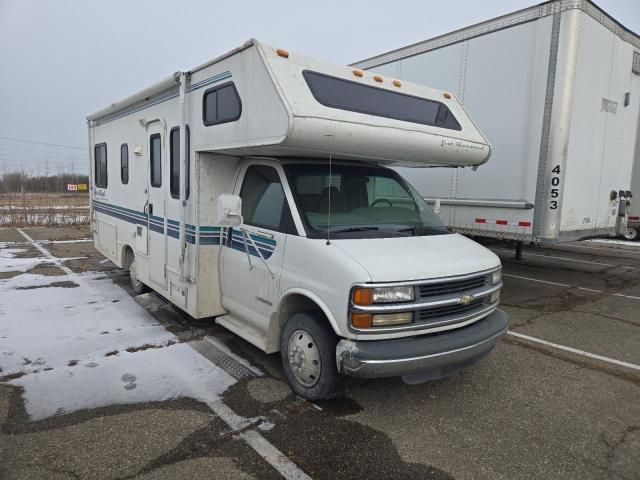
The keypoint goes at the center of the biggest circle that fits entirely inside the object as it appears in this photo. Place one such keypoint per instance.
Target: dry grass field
(43, 209)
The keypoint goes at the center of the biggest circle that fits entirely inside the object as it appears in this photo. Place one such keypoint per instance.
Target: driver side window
(264, 203)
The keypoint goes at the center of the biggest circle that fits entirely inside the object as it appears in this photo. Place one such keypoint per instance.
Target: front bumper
(425, 357)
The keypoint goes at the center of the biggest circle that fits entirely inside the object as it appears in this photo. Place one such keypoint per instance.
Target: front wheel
(632, 233)
(308, 352)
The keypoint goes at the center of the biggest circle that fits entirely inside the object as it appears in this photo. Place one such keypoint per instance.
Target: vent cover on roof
(635, 65)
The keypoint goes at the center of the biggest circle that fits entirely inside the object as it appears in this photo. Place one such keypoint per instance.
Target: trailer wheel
(308, 352)
(136, 284)
(632, 234)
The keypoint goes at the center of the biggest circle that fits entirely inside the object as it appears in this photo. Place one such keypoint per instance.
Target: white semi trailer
(255, 189)
(556, 87)
(633, 226)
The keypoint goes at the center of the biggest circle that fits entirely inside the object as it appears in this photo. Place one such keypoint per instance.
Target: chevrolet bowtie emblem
(466, 299)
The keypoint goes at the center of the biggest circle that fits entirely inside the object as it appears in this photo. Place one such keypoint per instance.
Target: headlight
(367, 296)
(496, 276)
(392, 294)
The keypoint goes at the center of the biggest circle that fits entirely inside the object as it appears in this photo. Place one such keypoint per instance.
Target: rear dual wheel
(632, 233)
(136, 284)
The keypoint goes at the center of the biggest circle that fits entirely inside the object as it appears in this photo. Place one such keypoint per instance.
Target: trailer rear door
(601, 144)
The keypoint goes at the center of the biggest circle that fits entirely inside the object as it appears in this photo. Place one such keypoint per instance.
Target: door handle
(150, 209)
(265, 234)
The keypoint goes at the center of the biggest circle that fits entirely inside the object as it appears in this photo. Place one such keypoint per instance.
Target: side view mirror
(436, 207)
(229, 211)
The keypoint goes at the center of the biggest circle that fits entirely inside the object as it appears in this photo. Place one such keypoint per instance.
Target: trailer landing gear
(519, 250)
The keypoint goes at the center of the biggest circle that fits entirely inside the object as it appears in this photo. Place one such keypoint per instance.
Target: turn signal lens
(496, 277)
(361, 320)
(363, 296)
(377, 78)
(282, 53)
(397, 83)
(391, 319)
(495, 296)
(358, 73)
(447, 95)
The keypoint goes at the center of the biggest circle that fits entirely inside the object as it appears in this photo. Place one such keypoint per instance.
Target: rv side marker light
(447, 95)
(377, 78)
(282, 53)
(397, 83)
(358, 73)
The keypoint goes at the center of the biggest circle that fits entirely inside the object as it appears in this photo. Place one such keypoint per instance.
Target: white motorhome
(255, 189)
(556, 87)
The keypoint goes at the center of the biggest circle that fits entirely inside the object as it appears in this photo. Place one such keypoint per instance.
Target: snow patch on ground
(60, 337)
(10, 262)
(150, 375)
(616, 242)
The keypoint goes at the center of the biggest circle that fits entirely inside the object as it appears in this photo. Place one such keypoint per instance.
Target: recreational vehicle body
(556, 87)
(256, 189)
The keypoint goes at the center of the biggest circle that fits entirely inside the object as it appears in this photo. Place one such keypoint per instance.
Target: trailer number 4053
(555, 191)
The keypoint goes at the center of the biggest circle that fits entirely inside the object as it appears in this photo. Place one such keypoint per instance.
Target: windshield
(357, 201)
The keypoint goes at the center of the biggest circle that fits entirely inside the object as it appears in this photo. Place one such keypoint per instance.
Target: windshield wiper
(398, 233)
(354, 229)
(425, 230)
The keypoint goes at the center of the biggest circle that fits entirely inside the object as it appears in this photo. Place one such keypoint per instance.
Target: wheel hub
(304, 358)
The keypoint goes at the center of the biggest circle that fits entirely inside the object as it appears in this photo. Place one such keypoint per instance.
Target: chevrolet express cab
(259, 189)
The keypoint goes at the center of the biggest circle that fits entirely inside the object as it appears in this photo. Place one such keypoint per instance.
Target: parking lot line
(630, 297)
(575, 350)
(261, 445)
(45, 252)
(566, 259)
(588, 247)
(536, 280)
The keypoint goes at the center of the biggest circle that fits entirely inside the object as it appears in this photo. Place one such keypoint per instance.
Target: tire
(137, 286)
(306, 339)
(632, 234)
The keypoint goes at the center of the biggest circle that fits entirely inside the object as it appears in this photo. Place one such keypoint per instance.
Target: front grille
(430, 313)
(454, 286)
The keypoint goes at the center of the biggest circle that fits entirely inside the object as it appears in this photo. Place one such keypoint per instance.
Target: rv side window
(100, 158)
(356, 97)
(263, 201)
(174, 161)
(221, 104)
(124, 163)
(155, 157)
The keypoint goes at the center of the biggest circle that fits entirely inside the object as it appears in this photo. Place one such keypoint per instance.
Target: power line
(42, 143)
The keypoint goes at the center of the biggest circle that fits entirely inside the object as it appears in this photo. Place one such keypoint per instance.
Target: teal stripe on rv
(209, 235)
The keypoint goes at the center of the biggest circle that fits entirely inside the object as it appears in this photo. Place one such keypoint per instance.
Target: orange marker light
(282, 53)
(377, 78)
(363, 296)
(361, 320)
(447, 95)
(358, 73)
(397, 83)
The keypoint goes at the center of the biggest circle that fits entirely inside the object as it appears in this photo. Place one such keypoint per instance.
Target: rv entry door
(155, 209)
(253, 254)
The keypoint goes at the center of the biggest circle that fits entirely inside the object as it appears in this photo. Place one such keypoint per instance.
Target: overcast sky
(62, 59)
